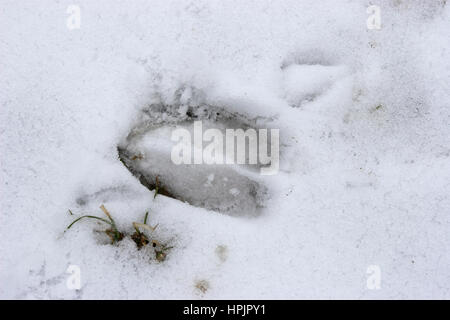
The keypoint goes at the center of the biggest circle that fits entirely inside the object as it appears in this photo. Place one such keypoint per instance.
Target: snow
(364, 159)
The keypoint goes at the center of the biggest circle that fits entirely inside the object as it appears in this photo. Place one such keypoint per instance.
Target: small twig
(137, 157)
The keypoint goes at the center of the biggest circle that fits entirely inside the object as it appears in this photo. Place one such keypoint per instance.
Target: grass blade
(105, 211)
(92, 217)
(137, 225)
(156, 187)
(146, 216)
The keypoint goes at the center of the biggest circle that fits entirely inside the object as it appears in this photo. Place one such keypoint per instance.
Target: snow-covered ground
(363, 115)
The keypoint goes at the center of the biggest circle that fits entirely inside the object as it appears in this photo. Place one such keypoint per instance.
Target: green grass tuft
(113, 232)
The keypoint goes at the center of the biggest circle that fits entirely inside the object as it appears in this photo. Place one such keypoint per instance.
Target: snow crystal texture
(364, 136)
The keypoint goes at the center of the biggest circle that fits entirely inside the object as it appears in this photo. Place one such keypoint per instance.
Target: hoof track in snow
(308, 76)
(146, 152)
